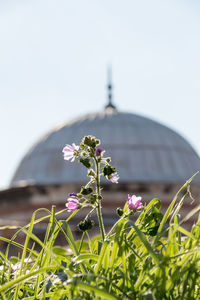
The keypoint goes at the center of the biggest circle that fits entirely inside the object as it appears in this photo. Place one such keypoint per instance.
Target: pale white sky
(54, 55)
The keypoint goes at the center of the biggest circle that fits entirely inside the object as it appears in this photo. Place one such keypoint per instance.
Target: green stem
(101, 221)
(90, 212)
(114, 226)
(53, 211)
(101, 225)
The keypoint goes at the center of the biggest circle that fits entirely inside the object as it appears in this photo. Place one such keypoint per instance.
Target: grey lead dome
(142, 150)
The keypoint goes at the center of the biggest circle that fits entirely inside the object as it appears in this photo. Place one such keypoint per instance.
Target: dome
(142, 150)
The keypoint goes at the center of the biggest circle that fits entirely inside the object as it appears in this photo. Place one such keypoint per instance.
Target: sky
(54, 56)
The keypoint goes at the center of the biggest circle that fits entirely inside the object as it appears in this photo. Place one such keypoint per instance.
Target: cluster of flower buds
(86, 224)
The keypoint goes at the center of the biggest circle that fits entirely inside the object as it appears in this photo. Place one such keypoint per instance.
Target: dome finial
(110, 105)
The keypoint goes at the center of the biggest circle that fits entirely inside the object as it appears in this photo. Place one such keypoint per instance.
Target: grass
(137, 260)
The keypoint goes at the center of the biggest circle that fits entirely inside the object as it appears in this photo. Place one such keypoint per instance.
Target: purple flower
(73, 195)
(114, 177)
(134, 202)
(72, 204)
(70, 152)
(99, 151)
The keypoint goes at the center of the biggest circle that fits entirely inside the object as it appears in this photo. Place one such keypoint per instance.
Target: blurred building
(152, 161)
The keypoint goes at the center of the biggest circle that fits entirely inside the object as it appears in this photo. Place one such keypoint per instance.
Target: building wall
(18, 203)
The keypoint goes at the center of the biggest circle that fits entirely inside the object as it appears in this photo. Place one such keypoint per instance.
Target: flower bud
(119, 211)
(99, 151)
(86, 224)
(82, 146)
(86, 162)
(89, 141)
(86, 191)
(93, 198)
(91, 173)
(72, 195)
(108, 170)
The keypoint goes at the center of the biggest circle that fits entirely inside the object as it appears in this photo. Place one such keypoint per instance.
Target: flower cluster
(91, 156)
(72, 151)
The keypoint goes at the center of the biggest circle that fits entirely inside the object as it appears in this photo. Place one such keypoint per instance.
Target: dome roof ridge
(106, 113)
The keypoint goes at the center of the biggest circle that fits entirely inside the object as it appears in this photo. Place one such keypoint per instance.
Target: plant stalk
(99, 213)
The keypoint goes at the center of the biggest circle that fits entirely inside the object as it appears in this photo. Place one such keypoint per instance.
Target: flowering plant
(92, 158)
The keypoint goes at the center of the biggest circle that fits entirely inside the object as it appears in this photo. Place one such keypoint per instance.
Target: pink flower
(70, 152)
(72, 204)
(114, 177)
(134, 202)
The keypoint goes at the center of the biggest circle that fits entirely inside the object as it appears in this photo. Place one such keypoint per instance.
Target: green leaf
(152, 221)
(86, 162)
(59, 251)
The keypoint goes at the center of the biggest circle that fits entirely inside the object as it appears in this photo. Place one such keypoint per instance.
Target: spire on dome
(110, 106)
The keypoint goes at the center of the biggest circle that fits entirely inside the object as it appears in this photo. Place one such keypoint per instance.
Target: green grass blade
(86, 256)
(168, 212)
(70, 237)
(22, 278)
(101, 256)
(191, 213)
(152, 203)
(89, 288)
(186, 232)
(146, 243)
